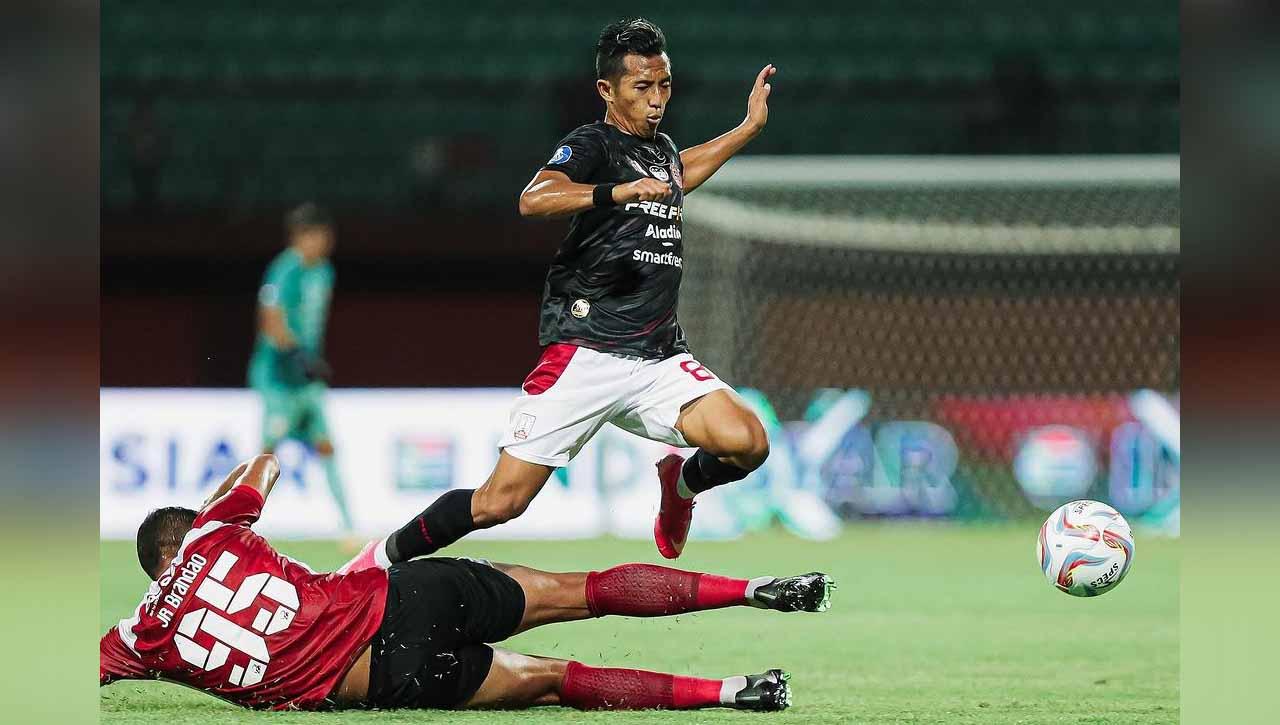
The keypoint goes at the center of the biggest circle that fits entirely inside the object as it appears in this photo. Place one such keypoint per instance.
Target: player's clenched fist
(641, 190)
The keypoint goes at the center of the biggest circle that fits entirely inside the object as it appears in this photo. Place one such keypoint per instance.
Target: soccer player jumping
(227, 614)
(614, 352)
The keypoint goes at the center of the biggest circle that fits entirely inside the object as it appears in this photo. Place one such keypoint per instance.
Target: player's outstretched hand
(645, 189)
(758, 101)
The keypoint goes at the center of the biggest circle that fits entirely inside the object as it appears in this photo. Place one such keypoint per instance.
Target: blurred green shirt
(302, 293)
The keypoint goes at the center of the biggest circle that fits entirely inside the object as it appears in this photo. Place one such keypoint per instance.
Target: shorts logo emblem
(561, 155)
(580, 308)
(524, 424)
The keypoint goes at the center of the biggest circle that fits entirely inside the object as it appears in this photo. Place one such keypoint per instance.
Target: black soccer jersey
(614, 283)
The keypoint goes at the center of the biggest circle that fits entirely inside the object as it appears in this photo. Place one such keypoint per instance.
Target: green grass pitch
(933, 623)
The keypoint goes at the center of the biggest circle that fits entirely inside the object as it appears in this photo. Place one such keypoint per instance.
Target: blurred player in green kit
(287, 368)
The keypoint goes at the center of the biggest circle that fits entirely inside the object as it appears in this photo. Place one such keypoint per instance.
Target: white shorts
(574, 391)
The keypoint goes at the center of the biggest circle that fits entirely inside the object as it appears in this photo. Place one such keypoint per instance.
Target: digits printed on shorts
(695, 368)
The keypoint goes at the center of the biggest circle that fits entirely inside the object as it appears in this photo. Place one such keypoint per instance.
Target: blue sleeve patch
(561, 155)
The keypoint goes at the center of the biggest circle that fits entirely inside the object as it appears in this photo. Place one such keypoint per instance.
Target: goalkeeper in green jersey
(287, 368)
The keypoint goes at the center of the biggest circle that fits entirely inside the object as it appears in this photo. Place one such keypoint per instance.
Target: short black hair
(306, 215)
(635, 35)
(161, 534)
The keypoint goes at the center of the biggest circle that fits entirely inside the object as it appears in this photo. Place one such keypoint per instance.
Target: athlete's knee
(758, 450)
(744, 439)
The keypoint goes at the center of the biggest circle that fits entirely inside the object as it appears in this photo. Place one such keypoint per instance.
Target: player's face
(639, 98)
(314, 243)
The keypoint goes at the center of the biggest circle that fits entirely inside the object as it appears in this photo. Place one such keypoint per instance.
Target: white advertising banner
(396, 450)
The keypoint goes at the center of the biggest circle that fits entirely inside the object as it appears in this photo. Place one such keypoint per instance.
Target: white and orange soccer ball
(1085, 548)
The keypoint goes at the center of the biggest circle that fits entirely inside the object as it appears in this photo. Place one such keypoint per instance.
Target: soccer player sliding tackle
(229, 615)
(613, 349)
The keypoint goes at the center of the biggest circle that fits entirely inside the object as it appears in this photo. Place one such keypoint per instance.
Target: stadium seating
(263, 103)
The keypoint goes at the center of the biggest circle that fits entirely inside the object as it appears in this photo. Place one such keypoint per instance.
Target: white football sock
(682, 488)
(380, 554)
(753, 585)
(730, 687)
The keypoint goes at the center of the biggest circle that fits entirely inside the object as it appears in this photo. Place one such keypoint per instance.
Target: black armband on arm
(602, 195)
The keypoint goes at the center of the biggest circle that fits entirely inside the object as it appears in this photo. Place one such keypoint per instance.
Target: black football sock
(444, 522)
(704, 471)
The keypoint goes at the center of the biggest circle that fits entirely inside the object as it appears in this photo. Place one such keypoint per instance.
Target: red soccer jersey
(234, 618)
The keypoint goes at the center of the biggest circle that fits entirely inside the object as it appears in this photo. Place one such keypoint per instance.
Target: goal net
(958, 336)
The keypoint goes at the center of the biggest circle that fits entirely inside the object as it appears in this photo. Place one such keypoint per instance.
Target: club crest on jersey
(524, 424)
(675, 174)
(659, 173)
(580, 309)
(561, 155)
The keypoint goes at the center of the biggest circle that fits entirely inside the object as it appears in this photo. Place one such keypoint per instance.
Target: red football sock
(647, 590)
(615, 688)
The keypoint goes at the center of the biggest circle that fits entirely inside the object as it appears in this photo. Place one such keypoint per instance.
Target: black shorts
(430, 651)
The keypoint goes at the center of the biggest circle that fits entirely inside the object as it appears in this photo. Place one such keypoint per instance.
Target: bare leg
(722, 424)
(508, 491)
(517, 681)
(505, 495)
(731, 444)
(549, 597)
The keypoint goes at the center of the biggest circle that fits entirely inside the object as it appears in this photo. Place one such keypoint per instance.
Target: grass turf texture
(933, 623)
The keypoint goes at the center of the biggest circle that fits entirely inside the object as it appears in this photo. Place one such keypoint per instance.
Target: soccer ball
(1085, 548)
